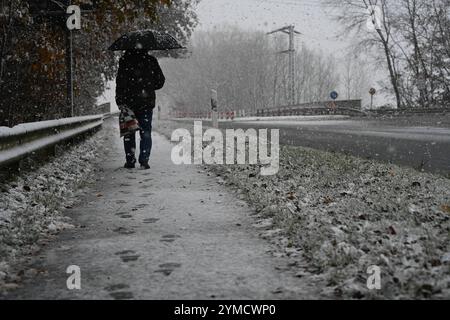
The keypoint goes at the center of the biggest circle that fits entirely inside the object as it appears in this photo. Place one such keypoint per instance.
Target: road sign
(334, 95)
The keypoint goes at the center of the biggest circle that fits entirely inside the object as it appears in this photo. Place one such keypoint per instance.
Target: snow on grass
(31, 205)
(344, 214)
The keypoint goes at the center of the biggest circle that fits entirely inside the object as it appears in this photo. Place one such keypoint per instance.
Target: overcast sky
(315, 21)
(320, 31)
(309, 16)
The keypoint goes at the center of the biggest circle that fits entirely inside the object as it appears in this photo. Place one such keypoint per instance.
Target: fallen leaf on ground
(392, 231)
(291, 196)
(327, 200)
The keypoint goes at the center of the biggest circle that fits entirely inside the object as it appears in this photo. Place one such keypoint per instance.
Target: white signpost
(372, 92)
(214, 109)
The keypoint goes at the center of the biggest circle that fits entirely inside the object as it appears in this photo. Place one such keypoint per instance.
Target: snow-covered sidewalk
(345, 214)
(169, 233)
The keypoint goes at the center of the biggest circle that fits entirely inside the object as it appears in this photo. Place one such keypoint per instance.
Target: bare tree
(32, 52)
(247, 72)
(355, 77)
(424, 43)
(412, 36)
(354, 15)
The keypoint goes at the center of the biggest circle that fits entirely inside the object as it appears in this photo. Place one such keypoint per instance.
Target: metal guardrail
(25, 139)
(272, 113)
(339, 107)
(406, 112)
(311, 109)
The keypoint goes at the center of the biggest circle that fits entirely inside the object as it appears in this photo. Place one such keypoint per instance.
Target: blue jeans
(145, 119)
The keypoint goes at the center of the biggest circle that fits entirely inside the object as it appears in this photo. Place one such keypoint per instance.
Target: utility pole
(290, 30)
(64, 7)
(69, 66)
(72, 13)
(73, 22)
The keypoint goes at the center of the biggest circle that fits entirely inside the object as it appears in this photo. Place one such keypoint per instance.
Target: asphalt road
(420, 143)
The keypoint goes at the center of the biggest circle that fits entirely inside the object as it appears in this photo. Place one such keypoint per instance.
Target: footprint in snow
(169, 238)
(124, 231)
(151, 220)
(167, 268)
(122, 295)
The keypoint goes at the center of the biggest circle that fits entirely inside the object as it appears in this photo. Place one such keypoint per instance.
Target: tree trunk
(6, 30)
(392, 73)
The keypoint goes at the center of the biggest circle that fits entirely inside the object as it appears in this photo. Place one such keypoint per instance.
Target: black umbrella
(174, 54)
(145, 40)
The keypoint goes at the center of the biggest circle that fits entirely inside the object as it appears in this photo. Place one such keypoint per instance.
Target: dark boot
(129, 165)
(145, 166)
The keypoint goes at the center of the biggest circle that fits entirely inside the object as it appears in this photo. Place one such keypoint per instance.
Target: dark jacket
(138, 77)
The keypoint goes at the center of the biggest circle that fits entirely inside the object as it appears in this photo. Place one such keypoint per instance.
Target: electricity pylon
(290, 30)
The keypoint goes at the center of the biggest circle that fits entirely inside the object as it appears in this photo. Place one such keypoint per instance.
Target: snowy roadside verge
(344, 214)
(32, 205)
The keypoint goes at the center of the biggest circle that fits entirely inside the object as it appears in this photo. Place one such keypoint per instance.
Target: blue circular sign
(334, 95)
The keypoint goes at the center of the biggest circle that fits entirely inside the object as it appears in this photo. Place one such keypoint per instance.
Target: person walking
(138, 78)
